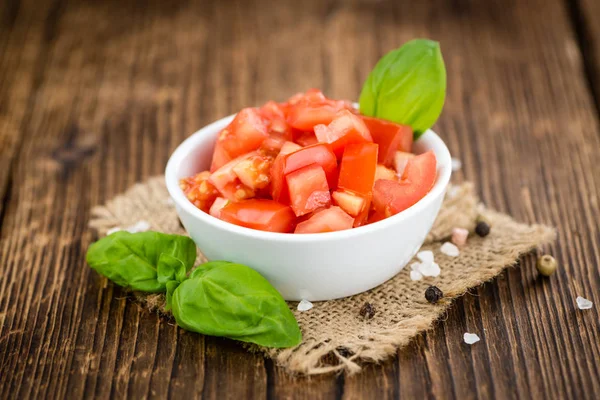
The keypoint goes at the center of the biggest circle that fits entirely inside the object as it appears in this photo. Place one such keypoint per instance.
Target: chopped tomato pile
(310, 165)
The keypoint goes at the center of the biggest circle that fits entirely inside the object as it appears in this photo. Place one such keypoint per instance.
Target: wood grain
(94, 96)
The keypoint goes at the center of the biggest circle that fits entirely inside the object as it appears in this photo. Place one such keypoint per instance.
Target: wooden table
(95, 95)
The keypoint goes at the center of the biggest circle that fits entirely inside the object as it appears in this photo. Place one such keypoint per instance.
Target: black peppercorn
(367, 311)
(482, 229)
(344, 352)
(433, 294)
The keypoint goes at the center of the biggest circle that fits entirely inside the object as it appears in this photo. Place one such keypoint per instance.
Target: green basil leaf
(170, 286)
(170, 269)
(233, 300)
(131, 259)
(407, 86)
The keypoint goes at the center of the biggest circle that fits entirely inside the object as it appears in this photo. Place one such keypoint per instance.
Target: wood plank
(585, 14)
(86, 116)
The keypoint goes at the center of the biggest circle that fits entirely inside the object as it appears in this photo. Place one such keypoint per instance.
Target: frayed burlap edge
(335, 337)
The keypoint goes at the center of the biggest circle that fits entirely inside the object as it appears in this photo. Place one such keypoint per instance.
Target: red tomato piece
(383, 172)
(375, 216)
(219, 203)
(219, 158)
(319, 154)
(289, 147)
(355, 204)
(254, 171)
(199, 190)
(328, 220)
(261, 214)
(308, 189)
(305, 138)
(313, 108)
(400, 160)
(345, 129)
(357, 169)
(390, 137)
(392, 197)
(228, 183)
(275, 117)
(245, 133)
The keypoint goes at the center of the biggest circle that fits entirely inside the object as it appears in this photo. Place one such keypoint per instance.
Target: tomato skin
(261, 214)
(218, 204)
(244, 134)
(358, 166)
(390, 137)
(313, 108)
(345, 129)
(392, 197)
(320, 154)
(308, 189)
(219, 158)
(329, 220)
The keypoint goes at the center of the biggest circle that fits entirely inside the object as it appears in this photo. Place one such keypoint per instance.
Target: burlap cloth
(336, 337)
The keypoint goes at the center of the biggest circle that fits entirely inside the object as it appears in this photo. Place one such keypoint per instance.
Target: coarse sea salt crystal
(584, 304)
(430, 269)
(471, 338)
(305, 305)
(456, 164)
(450, 250)
(415, 275)
(415, 266)
(459, 236)
(425, 256)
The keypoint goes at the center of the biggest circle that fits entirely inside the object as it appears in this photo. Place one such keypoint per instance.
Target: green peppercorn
(482, 229)
(546, 265)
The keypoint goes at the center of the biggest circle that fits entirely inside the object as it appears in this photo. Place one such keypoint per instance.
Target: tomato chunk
(219, 203)
(199, 190)
(308, 189)
(357, 169)
(392, 197)
(345, 129)
(328, 220)
(383, 172)
(261, 214)
(401, 160)
(289, 147)
(245, 133)
(390, 137)
(305, 138)
(219, 158)
(313, 108)
(319, 154)
(228, 183)
(254, 171)
(275, 118)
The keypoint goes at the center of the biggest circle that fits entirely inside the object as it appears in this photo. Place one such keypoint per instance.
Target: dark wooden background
(94, 96)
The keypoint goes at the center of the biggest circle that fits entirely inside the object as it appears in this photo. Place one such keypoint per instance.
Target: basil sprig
(407, 86)
(218, 298)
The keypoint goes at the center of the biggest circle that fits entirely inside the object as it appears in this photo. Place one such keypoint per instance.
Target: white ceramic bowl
(319, 266)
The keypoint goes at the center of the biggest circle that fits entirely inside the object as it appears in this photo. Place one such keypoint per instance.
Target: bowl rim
(172, 182)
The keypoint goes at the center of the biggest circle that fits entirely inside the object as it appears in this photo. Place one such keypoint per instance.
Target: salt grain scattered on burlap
(584, 304)
(402, 310)
(456, 164)
(425, 256)
(415, 276)
(450, 249)
(305, 305)
(459, 236)
(471, 338)
(140, 226)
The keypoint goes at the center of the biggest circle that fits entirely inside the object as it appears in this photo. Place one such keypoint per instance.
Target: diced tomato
(328, 220)
(219, 203)
(254, 171)
(392, 197)
(308, 189)
(219, 158)
(261, 214)
(351, 203)
(390, 137)
(272, 110)
(305, 138)
(275, 117)
(245, 133)
(345, 129)
(289, 147)
(319, 154)
(400, 160)
(228, 183)
(313, 108)
(357, 169)
(383, 172)
(375, 216)
(199, 190)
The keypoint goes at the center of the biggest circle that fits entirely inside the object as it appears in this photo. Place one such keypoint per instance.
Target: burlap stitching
(336, 338)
